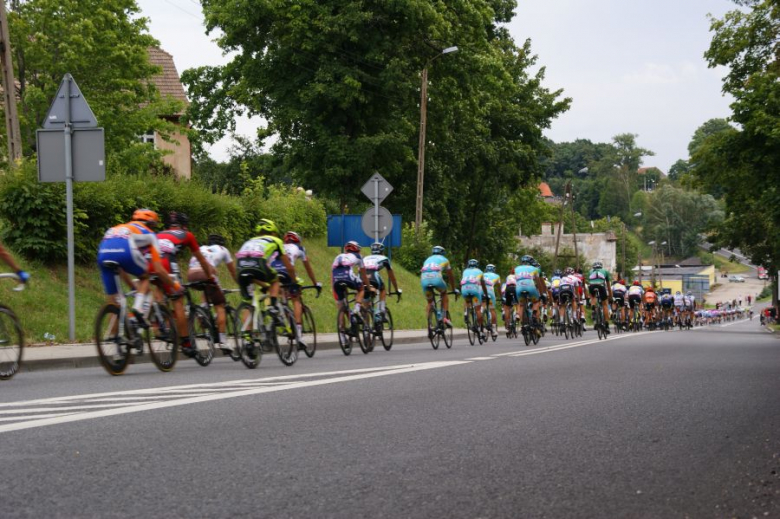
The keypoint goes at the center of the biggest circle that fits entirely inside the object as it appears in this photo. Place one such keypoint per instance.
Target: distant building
(698, 279)
(169, 85)
(600, 246)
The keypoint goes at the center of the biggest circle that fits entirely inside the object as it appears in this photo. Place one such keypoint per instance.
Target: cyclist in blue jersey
(529, 280)
(432, 278)
(493, 283)
(473, 289)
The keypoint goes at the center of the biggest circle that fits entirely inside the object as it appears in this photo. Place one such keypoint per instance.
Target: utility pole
(560, 224)
(9, 91)
(421, 149)
(574, 228)
(623, 267)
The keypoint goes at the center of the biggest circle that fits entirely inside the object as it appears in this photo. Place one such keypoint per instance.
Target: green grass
(722, 264)
(43, 306)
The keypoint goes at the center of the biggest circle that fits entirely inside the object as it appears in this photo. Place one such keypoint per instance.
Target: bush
(35, 219)
(415, 247)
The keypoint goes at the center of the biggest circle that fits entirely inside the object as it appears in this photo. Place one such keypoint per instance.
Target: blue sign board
(343, 228)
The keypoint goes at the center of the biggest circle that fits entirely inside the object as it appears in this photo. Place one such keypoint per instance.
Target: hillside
(43, 306)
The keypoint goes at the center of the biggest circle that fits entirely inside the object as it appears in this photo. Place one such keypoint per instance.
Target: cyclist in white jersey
(374, 264)
(215, 254)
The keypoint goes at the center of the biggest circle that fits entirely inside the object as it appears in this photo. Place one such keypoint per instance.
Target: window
(147, 138)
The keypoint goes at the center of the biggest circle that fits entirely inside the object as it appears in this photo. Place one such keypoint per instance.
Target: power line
(184, 10)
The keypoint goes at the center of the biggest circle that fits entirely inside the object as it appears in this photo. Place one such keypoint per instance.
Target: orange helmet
(650, 289)
(147, 216)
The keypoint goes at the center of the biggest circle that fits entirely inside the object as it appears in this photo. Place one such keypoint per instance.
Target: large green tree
(744, 161)
(103, 44)
(338, 82)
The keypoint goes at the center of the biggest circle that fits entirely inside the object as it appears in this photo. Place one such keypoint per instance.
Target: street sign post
(377, 221)
(70, 138)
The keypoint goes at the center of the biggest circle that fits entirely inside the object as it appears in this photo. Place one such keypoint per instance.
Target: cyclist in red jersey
(581, 293)
(172, 241)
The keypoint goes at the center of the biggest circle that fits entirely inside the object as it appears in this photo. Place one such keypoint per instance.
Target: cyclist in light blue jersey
(493, 284)
(432, 278)
(529, 281)
(473, 289)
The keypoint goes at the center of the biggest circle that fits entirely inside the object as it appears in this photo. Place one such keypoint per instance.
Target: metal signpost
(377, 221)
(70, 147)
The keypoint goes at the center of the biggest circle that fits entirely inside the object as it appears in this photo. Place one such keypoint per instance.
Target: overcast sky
(630, 65)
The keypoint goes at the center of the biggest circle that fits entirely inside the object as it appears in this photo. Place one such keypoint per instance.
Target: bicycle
(529, 328)
(383, 322)
(11, 335)
(473, 328)
(308, 326)
(488, 328)
(437, 330)
(602, 328)
(511, 327)
(203, 324)
(259, 330)
(123, 334)
(359, 328)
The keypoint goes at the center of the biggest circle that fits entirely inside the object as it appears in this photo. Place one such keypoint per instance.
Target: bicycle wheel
(161, 338)
(286, 343)
(470, 329)
(113, 350)
(233, 335)
(433, 329)
(201, 338)
(446, 332)
(343, 328)
(249, 350)
(366, 328)
(387, 330)
(567, 323)
(309, 331)
(11, 343)
(478, 329)
(535, 335)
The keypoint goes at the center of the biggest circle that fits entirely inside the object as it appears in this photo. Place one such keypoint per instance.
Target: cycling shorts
(527, 285)
(127, 255)
(510, 296)
(471, 293)
(248, 275)
(430, 284)
(376, 280)
(598, 289)
(620, 298)
(340, 287)
(566, 293)
(291, 286)
(649, 307)
(667, 303)
(213, 290)
(634, 300)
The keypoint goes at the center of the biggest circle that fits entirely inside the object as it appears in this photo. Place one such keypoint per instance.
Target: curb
(93, 361)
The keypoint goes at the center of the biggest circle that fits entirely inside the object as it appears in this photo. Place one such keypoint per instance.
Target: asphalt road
(677, 424)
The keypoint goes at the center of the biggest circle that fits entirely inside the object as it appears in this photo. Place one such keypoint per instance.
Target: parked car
(736, 279)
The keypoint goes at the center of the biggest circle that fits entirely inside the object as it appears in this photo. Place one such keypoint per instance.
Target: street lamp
(421, 148)
(652, 273)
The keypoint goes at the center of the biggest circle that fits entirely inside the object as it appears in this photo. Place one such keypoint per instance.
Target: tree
(338, 80)
(678, 170)
(703, 132)
(103, 44)
(744, 161)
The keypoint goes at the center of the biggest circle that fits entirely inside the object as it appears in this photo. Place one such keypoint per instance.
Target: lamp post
(661, 266)
(421, 148)
(652, 274)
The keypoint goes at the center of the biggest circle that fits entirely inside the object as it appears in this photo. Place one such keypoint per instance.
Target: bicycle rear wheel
(433, 329)
(113, 350)
(201, 338)
(249, 350)
(11, 343)
(387, 330)
(309, 331)
(286, 342)
(567, 324)
(470, 329)
(367, 330)
(343, 328)
(233, 335)
(161, 338)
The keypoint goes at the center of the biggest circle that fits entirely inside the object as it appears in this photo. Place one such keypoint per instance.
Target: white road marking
(481, 358)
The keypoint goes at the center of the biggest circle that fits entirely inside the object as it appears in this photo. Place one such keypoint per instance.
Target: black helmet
(177, 218)
(216, 239)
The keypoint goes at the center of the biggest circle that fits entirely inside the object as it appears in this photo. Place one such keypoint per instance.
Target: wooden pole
(13, 132)
(560, 225)
(421, 149)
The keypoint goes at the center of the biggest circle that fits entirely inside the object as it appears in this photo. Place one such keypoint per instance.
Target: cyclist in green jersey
(599, 281)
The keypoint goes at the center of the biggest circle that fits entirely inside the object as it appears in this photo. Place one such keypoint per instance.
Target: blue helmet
(438, 250)
(473, 264)
(490, 268)
(527, 260)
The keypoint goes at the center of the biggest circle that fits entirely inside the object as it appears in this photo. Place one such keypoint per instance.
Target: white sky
(630, 65)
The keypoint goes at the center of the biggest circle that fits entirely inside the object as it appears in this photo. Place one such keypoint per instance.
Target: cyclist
(570, 285)
(8, 259)
(635, 295)
(529, 280)
(555, 292)
(134, 247)
(689, 303)
(667, 302)
(254, 260)
(172, 241)
(344, 277)
(599, 283)
(216, 254)
(650, 299)
(509, 298)
(493, 284)
(619, 295)
(294, 251)
(374, 265)
(679, 307)
(473, 289)
(432, 278)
